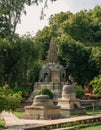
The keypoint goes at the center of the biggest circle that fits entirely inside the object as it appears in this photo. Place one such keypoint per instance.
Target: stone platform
(13, 123)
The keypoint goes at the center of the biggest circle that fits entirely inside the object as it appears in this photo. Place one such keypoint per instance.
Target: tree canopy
(78, 43)
(11, 11)
(96, 83)
(77, 38)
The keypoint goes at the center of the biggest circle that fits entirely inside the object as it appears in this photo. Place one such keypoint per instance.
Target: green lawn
(1, 124)
(96, 126)
(90, 111)
(92, 128)
(19, 114)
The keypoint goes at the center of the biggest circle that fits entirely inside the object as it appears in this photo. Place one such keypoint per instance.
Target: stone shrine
(69, 103)
(42, 108)
(52, 75)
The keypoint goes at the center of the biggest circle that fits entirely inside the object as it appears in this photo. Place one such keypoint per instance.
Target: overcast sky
(31, 22)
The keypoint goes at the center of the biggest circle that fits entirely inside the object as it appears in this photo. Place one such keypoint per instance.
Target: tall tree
(18, 59)
(11, 11)
(76, 59)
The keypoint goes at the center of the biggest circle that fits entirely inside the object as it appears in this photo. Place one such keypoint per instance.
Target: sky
(31, 22)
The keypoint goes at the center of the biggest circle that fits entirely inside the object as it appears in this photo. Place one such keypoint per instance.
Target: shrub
(8, 99)
(79, 91)
(46, 91)
(96, 84)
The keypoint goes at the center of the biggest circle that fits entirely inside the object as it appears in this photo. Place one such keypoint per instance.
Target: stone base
(67, 112)
(69, 103)
(70, 107)
(42, 112)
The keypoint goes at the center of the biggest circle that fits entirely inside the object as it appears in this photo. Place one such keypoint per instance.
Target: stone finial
(52, 53)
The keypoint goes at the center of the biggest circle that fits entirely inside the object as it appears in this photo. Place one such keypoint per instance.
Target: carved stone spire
(52, 54)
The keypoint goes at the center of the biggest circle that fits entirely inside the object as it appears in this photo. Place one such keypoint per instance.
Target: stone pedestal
(69, 104)
(42, 108)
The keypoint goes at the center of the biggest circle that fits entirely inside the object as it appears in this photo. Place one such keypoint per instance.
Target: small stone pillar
(42, 108)
(69, 103)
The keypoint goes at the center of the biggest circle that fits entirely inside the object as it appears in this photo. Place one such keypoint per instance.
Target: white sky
(31, 22)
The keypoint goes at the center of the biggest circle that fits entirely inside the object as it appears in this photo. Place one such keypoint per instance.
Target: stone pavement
(14, 123)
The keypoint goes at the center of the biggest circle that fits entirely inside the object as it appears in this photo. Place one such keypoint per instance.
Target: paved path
(12, 121)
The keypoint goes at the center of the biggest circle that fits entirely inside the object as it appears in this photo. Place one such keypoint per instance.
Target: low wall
(66, 124)
(90, 103)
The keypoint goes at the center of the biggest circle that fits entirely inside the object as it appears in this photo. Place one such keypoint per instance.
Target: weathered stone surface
(68, 92)
(42, 108)
(69, 104)
(52, 75)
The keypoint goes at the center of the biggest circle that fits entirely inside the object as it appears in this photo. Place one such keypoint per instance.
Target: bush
(46, 91)
(96, 84)
(8, 99)
(79, 91)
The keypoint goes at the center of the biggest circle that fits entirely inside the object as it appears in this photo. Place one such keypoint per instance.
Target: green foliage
(1, 124)
(19, 62)
(19, 114)
(42, 40)
(76, 58)
(90, 127)
(96, 84)
(84, 26)
(78, 45)
(8, 99)
(46, 91)
(76, 36)
(4, 27)
(92, 111)
(11, 11)
(96, 57)
(79, 91)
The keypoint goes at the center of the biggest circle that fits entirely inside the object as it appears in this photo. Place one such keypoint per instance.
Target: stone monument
(69, 103)
(42, 108)
(52, 75)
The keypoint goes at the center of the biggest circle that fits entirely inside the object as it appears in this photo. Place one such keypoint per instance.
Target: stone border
(66, 124)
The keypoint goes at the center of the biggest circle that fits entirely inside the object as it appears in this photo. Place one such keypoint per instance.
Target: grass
(19, 114)
(96, 126)
(91, 111)
(92, 128)
(1, 124)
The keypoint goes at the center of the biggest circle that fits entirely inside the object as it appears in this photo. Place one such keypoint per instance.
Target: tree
(75, 57)
(95, 23)
(75, 41)
(11, 11)
(96, 57)
(83, 26)
(18, 62)
(9, 100)
(4, 27)
(42, 40)
(96, 84)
